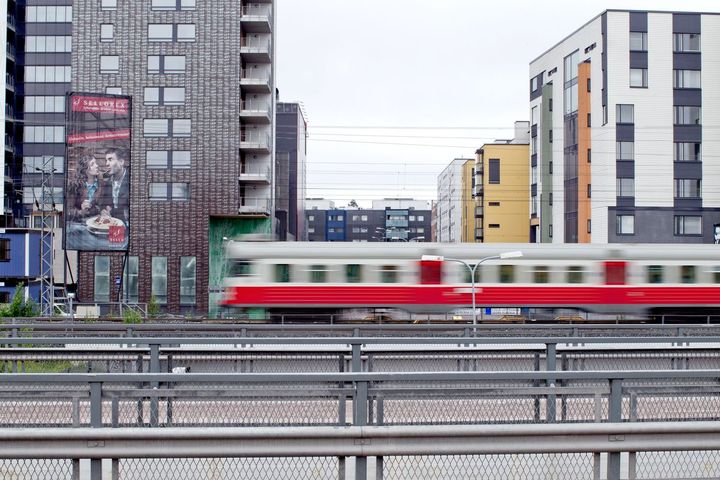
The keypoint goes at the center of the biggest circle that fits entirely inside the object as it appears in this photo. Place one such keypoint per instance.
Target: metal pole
(96, 422)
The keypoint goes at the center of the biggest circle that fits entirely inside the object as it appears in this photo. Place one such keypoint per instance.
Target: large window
(102, 278)
(625, 114)
(108, 4)
(166, 64)
(688, 225)
(173, 5)
(625, 187)
(638, 41)
(625, 150)
(575, 274)
(688, 188)
(164, 191)
(164, 96)
(164, 127)
(282, 273)
(318, 274)
(655, 273)
(44, 134)
(688, 152)
(44, 104)
(41, 14)
(638, 77)
(188, 280)
(109, 63)
(353, 273)
(507, 273)
(168, 32)
(172, 159)
(687, 79)
(686, 42)
(625, 224)
(687, 273)
(47, 74)
(494, 171)
(159, 279)
(687, 115)
(181, 127)
(48, 44)
(389, 274)
(541, 274)
(39, 163)
(130, 279)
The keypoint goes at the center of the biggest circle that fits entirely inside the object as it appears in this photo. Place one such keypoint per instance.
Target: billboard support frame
(47, 250)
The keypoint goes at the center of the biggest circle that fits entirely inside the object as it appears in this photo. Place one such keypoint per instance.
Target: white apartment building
(449, 203)
(624, 135)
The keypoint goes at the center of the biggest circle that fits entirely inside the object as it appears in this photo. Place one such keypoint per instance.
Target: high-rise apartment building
(201, 77)
(290, 171)
(451, 182)
(624, 112)
(502, 189)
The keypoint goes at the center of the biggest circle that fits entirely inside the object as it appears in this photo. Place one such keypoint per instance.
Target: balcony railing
(10, 49)
(259, 138)
(9, 80)
(257, 10)
(255, 173)
(253, 44)
(11, 21)
(255, 205)
(478, 212)
(258, 106)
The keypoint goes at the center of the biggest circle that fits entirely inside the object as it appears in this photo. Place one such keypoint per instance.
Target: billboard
(97, 188)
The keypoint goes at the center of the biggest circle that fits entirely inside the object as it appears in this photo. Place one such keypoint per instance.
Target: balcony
(257, 18)
(10, 51)
(256, 49)
(9, 113)
(254, 142)
(11, 22)
(256, 175)
(255, 207)
(478, 233)
(478, 212)
(254, 80)
(256, 111)
(9, 82)
(9, 143)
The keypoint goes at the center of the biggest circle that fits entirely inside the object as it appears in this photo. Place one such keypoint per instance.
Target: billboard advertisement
(97, 189)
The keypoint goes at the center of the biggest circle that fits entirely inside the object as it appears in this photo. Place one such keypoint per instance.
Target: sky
(394, 90)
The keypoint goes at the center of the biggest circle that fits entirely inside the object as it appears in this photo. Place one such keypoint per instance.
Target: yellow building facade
(502, 194)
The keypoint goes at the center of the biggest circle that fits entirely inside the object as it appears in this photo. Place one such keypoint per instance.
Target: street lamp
(502, 256)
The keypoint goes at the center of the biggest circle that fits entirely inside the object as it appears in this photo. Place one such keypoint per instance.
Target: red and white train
(332, 277)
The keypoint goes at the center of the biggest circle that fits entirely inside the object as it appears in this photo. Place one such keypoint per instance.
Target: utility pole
(47, 252)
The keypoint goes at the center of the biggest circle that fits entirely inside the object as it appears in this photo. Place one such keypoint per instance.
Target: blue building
(335, 225)
(20, 262)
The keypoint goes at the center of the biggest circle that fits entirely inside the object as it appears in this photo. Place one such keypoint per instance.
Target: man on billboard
(115, 198)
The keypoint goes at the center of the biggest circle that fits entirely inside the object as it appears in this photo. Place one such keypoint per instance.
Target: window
(155, 127)
(4, 250)
(186, 32)
(48, 44)
(31, 194)
(159, 279)
(687, 79)
(655, 273)
(534, 115)
(550, 136)
(47, 74)
(180, 191)
(688, 152)
(164, 96)
(589, 117)
(688, 188)
(589, 190)
(181, 128)
(44, 134)
(311, 218)
(108, 5)
(282, 273)
(624, 113)
(353, 273)
(130, 279)
(41, 14)
(363, 218)
(625, 224)
(109, 63)
(625, 187)
(638, 41)
(589, 155)
(162, 191)
(421, 218)
(686, 115)
(550, 198)
(113, 90)
(102, 278)
(570, 70)
(494, 171)
(173, 5)
(160, 32)
(534, 84)
(716, 275)
(240, 268)
(318, 274)
(162, 159)
(188, 280)
(625, 150)
(541, 274)
(639, 77)
(166, 64)
(686, 42)
(494, 225)
(687, 274)
(466, 275)
(507, 273)
(389, 274)
(311, 230)
(688, 225)
(533, 146)
(533, 174)
(44, 104)
(32, 164)
(107, 32)
(575, 274)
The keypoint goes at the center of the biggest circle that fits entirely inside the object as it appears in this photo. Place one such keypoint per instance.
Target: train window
(318, 274)
(282, 273)
(575, 274)
(687, 274)
(466, 275)
(353, 273)
(541, 274)
(655, 273)
(240, 268)
(716, 275)
(507, 273)
(389, 274)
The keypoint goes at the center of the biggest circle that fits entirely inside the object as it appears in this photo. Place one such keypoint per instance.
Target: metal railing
(255, 106)
(260, 139)
(253, 44)
(257, 10)
(255, 171)
(254, 205)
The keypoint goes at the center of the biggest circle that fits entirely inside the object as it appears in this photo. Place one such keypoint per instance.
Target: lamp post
(472, 269)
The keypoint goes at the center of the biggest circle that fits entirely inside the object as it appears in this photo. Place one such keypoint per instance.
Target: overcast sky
(443, 77)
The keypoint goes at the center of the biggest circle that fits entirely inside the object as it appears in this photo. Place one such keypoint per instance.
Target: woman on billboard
(86, 190)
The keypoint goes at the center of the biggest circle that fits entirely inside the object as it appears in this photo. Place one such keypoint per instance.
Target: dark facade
(367, 225)
(290, 172)
(20, 262)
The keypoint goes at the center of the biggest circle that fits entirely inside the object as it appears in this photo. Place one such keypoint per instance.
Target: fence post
(615, 414)
(154, 400)
(551, 366)
(360, 408)
(96, 422)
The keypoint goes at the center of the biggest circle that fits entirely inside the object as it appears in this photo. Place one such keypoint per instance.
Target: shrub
(153, 307)
(131, 316)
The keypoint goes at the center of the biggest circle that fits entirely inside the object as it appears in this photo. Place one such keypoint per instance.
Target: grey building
(290, 171)
(201, 77)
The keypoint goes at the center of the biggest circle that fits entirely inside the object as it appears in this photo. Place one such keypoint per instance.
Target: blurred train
(297, 277)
